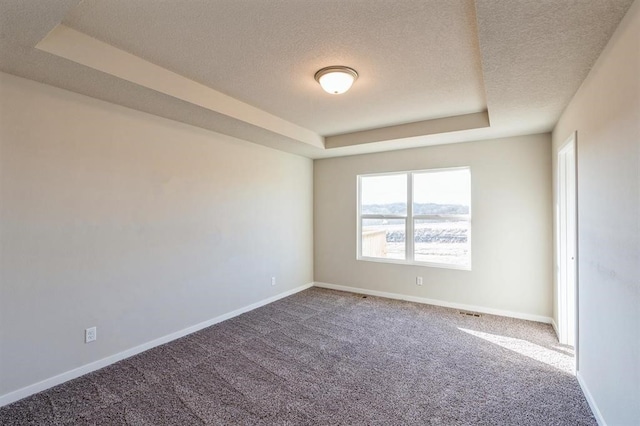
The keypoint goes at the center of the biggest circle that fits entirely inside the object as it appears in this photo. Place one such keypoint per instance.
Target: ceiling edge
(456, 123)
(78, 47)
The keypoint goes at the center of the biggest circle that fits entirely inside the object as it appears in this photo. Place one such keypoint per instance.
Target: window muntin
(433, 206)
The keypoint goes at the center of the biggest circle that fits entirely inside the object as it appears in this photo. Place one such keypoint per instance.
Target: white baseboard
(101, 363)
(592, 403)
(555, 328)
(481, 309)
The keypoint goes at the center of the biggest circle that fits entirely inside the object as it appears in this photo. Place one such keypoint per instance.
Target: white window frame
(409, 219)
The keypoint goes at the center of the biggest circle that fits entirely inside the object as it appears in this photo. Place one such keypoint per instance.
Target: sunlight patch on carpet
(554, 358)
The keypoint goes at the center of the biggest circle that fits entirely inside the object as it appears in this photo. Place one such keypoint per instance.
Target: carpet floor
(323, 357)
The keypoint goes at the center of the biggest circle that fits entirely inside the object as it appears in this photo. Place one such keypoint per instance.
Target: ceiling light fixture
(336, 79)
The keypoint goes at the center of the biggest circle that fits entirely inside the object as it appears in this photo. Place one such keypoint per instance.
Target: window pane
(442, 192)
(384, 194)
(383, 238)
(442, 241)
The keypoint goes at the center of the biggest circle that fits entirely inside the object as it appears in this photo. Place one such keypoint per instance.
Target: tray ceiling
(430, 71)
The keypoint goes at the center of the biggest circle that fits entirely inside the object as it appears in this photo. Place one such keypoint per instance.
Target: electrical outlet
(418, 280)
(273, 280)
(90, 334)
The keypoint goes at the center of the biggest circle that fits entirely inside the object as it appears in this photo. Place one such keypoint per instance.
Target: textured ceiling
(536, 53)
(430, 71)
(416, 59)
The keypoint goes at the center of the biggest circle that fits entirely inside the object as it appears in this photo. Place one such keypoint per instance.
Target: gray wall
(135, 224)
(606, 114)
(511, 225)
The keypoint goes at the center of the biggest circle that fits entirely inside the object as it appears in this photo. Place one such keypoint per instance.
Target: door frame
(567, 242)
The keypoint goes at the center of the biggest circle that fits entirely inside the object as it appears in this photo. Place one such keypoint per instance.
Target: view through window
(433, 206)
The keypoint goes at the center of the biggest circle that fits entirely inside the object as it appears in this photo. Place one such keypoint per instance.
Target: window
(432, 206)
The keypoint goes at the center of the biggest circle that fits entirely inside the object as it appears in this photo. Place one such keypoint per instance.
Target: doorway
(567, 243)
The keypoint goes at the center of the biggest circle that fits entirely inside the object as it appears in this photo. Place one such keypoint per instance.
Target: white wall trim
(101, 363)
(592, 403)
(481, 309)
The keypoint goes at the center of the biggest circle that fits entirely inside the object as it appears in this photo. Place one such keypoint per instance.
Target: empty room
(332, 212)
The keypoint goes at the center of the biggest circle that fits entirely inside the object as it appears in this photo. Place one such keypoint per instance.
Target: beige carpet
(327, 357)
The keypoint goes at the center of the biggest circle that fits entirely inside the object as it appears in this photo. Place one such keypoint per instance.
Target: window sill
(415, 263)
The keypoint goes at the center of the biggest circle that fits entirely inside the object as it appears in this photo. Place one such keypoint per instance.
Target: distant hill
(418, 209)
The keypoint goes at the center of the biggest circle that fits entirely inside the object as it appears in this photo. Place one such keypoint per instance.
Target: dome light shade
(336, 79)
